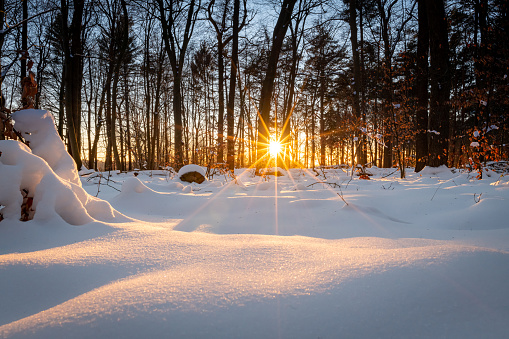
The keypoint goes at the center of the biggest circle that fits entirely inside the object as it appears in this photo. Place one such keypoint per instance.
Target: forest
(159, 84)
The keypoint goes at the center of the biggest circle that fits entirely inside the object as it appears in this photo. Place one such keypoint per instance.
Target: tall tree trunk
(356, 75)
(481, 67)
(387, 90)
(119, 59)
(322, 117)
(440, 80)
(89, 119)
(278, 36)
(220, 114)
(289, 104)
(113, 130)
(220, 71)
(176, 48)
(297, 32)
(421, 88)
(364, 142)
(156, 121)
(128, 122)
(100, 120)
(61, 106)
(230, 155)
(73, 75)
(24, 41)
(2, 36)
(108, 163)
(148, 103)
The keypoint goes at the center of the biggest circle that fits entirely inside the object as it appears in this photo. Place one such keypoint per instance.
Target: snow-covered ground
(298, 256)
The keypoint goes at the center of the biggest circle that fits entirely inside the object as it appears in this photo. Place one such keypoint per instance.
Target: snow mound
(38, 128)
(299, 187)
(267, 186)
(239, 183)
(215, 184)
(52, 196)
(435, 170)
(176, 185)
(134, 185)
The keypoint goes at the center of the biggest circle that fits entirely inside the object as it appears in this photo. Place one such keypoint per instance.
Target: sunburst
(275, 148)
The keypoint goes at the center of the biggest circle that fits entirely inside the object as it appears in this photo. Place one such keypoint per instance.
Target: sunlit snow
(274, 257)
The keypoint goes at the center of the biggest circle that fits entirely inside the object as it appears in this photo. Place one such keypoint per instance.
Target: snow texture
(38, 128)
(297, 256)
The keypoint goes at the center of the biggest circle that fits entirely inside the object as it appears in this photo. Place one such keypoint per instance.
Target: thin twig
(10, 28)
(113, 187)
(332, 184)
(436, 191)
(98, 185)
(341, 196)
(385, 176)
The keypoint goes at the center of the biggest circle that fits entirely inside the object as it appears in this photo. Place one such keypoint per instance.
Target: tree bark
(421, 137)
(24, 41)
(356, 74)
(73, 75)
(387, 90)
(2, 36)
(230, 155)
(440, 80)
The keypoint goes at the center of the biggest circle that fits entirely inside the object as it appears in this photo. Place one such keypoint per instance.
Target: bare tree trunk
(113, 130)
(61, 106)
(323, 89)
(230, 155)
(108, 163)
(2, 36)
(278, 36)
(421, 138)
(387, 91)
(73, 75)
(129, 165)
(176, 53)
(220, 81)
(356, 73)
(24, 41)
(156, 120)
(440, 80)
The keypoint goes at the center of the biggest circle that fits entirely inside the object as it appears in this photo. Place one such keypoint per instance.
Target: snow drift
(274, 257)
(46, 175)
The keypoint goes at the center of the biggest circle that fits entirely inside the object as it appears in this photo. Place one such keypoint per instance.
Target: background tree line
(149, 84)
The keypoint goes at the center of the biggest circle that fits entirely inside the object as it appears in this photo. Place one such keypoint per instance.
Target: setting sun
(275, 148)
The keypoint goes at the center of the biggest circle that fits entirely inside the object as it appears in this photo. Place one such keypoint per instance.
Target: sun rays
(275, 147)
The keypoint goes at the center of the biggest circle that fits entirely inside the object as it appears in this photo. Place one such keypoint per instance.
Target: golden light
(275, 148)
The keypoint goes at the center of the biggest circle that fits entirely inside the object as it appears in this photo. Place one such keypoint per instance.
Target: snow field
(286, 257)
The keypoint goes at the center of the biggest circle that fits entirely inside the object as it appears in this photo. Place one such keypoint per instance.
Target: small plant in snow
(482, 150)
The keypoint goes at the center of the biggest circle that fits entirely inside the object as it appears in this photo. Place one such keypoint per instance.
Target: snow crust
(298, 256)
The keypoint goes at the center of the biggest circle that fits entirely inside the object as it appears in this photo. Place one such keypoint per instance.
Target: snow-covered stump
(41, 182)
(192, 173)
